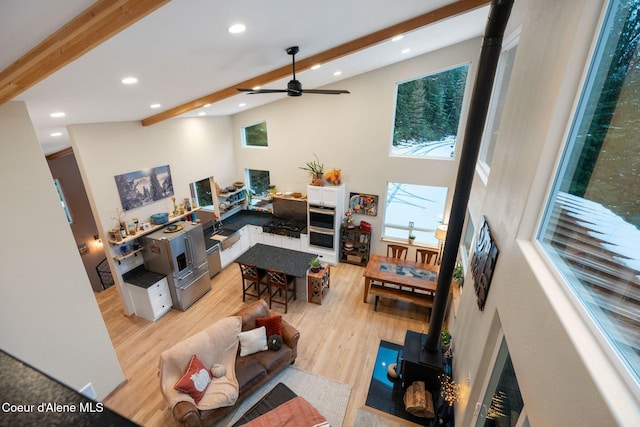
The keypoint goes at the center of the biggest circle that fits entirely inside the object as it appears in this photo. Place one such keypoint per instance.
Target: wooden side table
(318, 283)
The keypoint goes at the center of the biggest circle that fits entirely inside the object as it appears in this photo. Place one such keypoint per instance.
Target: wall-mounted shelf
(134, 252)
(153, 228)
(231, 202)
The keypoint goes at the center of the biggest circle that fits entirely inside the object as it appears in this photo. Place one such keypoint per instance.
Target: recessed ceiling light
(57, 114)
(56, 134)
(407, 50)
(154, 106)
(202, 113)
(315, 67)
(237, 28)
(242, 104)
(337, 73)
(207, 105)
(256, 87)
(129, 80)
(397, 38)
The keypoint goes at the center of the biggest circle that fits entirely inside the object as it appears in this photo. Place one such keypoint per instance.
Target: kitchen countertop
(141, 277)
(242, 218)
(294, 263)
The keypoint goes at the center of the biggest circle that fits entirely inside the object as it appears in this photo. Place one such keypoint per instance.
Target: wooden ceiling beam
(96, 24)
(445, 12)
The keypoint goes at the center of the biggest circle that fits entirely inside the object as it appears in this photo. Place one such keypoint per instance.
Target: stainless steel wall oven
(322, 226)
(322, 217)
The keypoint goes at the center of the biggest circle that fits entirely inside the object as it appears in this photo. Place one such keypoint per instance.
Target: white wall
(193, 149)
(48, 313)
(565, 377)
(351, 132)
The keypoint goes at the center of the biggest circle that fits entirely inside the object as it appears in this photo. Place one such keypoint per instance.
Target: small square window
(258, 182)
(255, 135)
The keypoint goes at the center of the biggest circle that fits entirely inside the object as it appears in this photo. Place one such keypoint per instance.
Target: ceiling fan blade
(294, 87)
(256, 91)
(326, 91)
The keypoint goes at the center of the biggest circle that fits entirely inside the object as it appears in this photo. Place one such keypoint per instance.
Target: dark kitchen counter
(294, 263)
(242, 218)
(141, 277)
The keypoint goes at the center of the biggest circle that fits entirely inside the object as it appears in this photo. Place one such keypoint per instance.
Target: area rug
(328, 396)
(384, 393)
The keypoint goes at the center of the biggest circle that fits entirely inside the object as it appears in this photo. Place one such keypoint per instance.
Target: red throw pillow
(195, 380)
(273, 324)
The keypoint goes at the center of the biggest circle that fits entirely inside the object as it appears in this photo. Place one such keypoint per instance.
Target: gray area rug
(328, 396)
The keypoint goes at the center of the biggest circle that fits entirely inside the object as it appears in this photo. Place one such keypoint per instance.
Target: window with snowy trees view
(428, 113)
(591, 226)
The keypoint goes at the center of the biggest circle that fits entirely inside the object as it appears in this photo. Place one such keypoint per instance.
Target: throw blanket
(296, 412)
(216, 344)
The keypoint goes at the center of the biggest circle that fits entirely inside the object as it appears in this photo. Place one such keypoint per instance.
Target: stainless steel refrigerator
(181, 256)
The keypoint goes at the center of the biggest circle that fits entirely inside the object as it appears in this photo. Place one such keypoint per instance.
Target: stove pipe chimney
(489, 55)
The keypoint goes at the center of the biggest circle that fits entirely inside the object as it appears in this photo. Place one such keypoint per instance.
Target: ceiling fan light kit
(294, 87)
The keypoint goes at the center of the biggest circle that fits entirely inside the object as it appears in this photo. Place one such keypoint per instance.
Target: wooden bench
(405, 294)
(397, 293)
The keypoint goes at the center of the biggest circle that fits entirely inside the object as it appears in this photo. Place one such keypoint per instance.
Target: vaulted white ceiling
(183, 51)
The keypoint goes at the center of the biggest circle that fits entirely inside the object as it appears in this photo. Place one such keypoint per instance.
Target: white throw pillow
(253, 341)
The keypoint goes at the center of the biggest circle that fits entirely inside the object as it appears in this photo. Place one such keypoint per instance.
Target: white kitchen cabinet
(153, 302)
(255, 235)
(272, 239)
(228, 255)
(290, 243)
(245, 240)
(325, 196)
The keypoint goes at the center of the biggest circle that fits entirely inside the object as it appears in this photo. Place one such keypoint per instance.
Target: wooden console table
(318, 283)
(400, 280)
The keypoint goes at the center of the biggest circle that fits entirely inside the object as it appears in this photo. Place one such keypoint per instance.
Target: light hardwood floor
(338, 339)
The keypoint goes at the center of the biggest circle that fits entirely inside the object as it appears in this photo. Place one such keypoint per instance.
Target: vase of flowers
(349, 219)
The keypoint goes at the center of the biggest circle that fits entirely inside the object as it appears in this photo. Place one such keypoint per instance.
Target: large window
(496, 106)
(590, 228)
(255, 135)
(502, 404)
(428, 113)
(416, 209)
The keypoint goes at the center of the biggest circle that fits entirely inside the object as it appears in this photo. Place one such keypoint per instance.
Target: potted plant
(315, 264)
(317, 171)
(445, 339)
(458, 274)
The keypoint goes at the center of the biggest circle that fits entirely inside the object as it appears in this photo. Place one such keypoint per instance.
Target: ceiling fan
(294, 87)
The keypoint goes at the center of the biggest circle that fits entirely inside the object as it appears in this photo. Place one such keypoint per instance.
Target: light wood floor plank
(338, 339)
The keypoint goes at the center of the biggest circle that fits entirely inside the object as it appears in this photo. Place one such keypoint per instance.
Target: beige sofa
(219, 344)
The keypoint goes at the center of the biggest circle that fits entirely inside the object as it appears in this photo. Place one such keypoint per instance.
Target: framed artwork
(145, 186)
(366, 204)
(483, 262)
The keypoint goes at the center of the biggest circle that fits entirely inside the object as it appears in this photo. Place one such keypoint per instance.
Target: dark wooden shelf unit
(361, 241)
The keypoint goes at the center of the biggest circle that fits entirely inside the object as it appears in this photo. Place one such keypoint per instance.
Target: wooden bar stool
(397, 251)
(253, 281)
(280, 283)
